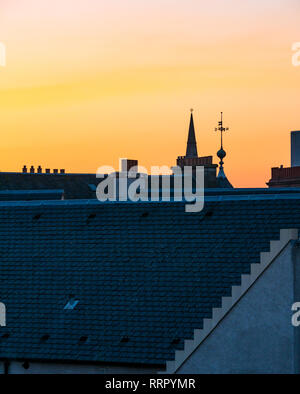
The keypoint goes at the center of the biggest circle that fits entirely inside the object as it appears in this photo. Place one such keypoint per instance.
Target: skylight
(71, 304)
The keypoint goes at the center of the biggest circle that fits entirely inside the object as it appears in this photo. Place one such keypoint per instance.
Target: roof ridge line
(208, 198)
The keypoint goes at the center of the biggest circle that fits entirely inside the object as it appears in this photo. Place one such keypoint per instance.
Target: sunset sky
(90, 81)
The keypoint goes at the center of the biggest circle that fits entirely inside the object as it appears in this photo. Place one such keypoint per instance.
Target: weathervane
(221, 129)
(221, 153)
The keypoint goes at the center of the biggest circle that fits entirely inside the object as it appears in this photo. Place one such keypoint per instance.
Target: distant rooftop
(285, 176)
(28, 195)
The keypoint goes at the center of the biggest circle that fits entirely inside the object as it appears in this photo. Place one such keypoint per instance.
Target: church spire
(191, 148)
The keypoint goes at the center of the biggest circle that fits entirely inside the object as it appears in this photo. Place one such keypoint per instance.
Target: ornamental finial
(221, 153)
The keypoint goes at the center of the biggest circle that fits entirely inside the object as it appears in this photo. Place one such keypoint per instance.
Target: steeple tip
(191, 148)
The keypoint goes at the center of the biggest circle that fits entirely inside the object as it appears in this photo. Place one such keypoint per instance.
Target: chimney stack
(47, 170)
(24, 170)
(62, 171)
(127, 164)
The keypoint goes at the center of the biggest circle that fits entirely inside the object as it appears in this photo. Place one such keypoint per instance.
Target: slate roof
(222, 181)
(29, 195)
(83, 186)
(75, 186)
(145, 274)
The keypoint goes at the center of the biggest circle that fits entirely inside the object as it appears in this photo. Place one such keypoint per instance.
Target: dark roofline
(208, 198)
(252, 190)
(49, 173)
(30, 191)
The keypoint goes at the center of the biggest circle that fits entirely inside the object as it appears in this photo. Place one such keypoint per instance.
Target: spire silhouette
(191, 148)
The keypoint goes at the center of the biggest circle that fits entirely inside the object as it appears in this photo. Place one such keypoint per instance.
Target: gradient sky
(89, 81)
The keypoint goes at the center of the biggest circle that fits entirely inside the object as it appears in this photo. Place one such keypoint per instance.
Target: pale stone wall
(257, 335)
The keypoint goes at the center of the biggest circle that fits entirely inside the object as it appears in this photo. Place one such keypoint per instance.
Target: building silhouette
(145, 287)
(288, 176)
(83, 186)
(191, 158)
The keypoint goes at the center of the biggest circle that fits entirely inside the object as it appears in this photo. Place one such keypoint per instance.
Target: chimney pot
(32, 170)
(55, 171)
(47, 170)
(62, 171)
(39, 169)
(24, 170)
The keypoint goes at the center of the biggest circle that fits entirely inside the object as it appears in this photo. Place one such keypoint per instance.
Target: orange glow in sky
(89, 81)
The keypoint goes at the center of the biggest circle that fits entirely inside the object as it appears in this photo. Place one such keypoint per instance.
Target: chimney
(47, 171)
(55, 171)
(31, 170)
(39, 170)
(24, 170)
(127, 164)
(295, 148)
(62, 171)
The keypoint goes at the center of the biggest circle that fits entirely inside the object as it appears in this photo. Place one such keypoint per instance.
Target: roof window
(71, 304)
